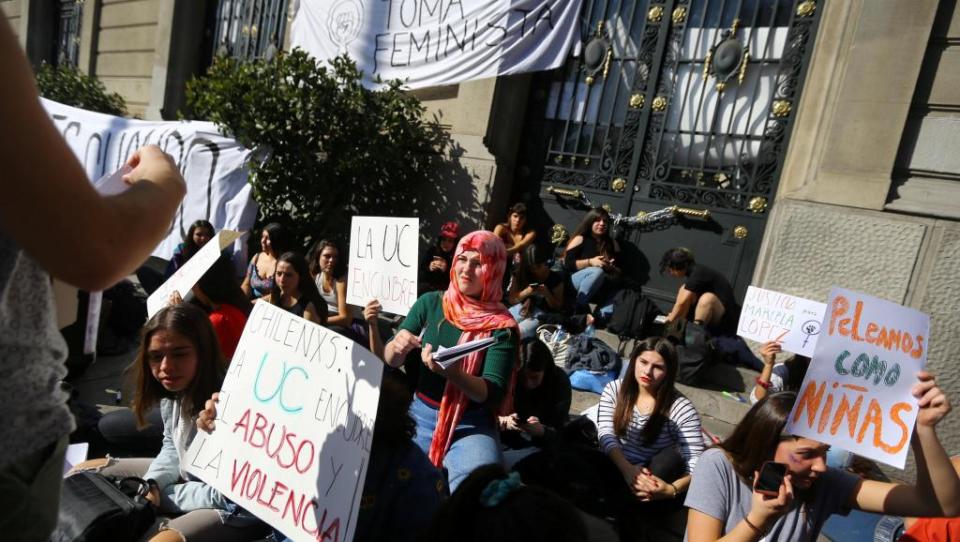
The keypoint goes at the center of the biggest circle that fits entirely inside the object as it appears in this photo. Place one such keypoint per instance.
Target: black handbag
(95, 507)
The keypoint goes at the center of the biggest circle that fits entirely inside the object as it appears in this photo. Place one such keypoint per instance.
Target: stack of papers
(448, 356)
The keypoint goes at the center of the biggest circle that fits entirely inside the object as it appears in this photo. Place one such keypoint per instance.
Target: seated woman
(541, 404)
(776, 377)
(197, 235)
(434, 272)
(590, 258)
(294, 292)
(454, 406)
(723, 503)
(274, 241)
(330, 276)
(179, 365)
(534, 290)
(219, 295)
(515, 233)
(650, 432)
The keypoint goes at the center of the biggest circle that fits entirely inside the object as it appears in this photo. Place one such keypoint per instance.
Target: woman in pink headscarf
(455, 408)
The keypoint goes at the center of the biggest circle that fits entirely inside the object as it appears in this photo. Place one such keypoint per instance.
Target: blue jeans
(587, 282)
(476, 441)
(528, 326)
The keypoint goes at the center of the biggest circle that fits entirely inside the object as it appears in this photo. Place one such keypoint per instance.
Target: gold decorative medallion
(740, 232)
(606, 207)
(619, 184)
(757, 205)
(655, 14)
(659, 103)
(636, 101)
(679, 15)
(806, 9)
(781, 108)
(558, 234)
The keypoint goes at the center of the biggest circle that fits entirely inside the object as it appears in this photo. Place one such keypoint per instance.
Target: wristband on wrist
(762, 383)
(756, 529)
(675, 490)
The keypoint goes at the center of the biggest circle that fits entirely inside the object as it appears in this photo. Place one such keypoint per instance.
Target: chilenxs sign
(213, 166)
(439, 42)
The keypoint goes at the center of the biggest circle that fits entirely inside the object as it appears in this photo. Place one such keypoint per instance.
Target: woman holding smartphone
(725, 505)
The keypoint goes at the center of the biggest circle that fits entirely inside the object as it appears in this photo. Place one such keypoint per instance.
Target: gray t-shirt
(718, 492)
(32, 353)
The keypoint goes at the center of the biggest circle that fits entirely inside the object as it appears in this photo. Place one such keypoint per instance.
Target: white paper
(188, 275)
(76, 454)
(856, 393)
(446, 357)
(310, 396)
(112, 184)
(384, 257)
(774, 316)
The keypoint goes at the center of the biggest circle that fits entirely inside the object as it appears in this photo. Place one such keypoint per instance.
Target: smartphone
(771, 478)
(535, 284)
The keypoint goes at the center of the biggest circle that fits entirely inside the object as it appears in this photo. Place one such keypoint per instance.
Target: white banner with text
(214, 166)
(439, 42)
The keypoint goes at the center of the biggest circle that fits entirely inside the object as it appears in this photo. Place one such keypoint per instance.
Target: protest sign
(213, 166)
(773, 316)
(383, 262)
(186, 276)
(856, 394)
(294, 426)
(439, 42)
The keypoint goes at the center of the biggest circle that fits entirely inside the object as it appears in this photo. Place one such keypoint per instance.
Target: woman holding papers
(725, 504)
(455, 404)
(179, 365)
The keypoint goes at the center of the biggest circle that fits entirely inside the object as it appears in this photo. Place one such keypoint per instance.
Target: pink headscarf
(478, 318)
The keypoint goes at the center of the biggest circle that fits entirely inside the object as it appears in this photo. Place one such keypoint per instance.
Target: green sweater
(498, 359)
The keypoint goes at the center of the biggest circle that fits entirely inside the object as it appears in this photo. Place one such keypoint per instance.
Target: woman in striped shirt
(649, 431)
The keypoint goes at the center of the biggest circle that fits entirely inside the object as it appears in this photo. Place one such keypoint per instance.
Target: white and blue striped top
(681, 430)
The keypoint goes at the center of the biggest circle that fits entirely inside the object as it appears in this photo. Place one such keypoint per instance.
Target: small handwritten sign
(856, 394)
(773, 316)
(383, 262)
(188, 275)
(294, 426)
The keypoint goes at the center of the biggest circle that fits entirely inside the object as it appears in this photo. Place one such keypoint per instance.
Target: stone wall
(863, 130)
(124, 50)
(11, 10)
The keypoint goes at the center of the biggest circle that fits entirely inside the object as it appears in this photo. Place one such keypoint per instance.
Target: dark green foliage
(336, 148)
(68, 85)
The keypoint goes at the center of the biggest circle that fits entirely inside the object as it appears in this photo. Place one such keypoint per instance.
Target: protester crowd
(482, 449)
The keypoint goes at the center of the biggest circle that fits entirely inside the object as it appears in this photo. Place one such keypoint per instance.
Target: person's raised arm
(82, 238)
(371, 315)
(768, 352)
(937, 489)
(343, 317)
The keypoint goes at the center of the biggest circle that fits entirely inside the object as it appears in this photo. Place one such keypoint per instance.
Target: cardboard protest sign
(773, 316)
(856, 394)
(383, 262)
(294, 426)
(188, 275)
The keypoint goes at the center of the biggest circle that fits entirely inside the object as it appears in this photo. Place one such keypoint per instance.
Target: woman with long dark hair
(455, 405)
(197, 235)
(650, 431)
(725, 506)
(293, 290)
(178, 366)
(591, 258)
(515, 232)
(274, 241)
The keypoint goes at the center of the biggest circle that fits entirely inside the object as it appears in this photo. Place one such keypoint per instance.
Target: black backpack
(94, 507)
(696, 350)
(633, 315)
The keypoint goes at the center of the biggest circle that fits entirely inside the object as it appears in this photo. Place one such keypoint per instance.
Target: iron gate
(249, 29)
(67, 47)
(673, 103)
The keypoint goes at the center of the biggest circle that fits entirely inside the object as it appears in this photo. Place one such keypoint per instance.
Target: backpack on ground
(632, 317)
(696, 350)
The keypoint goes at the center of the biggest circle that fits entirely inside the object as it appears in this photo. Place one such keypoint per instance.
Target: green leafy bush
(336, 149)
(70, 86)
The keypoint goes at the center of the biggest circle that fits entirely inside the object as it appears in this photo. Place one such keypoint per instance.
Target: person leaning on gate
(53, 223)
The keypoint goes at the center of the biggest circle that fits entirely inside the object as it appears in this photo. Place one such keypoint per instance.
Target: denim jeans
(587, 282)
(476, 441)
(528, 326)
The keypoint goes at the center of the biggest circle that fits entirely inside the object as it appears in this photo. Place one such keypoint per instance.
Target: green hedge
(68, 85)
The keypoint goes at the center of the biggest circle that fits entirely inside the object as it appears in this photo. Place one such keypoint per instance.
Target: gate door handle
(703, 214)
